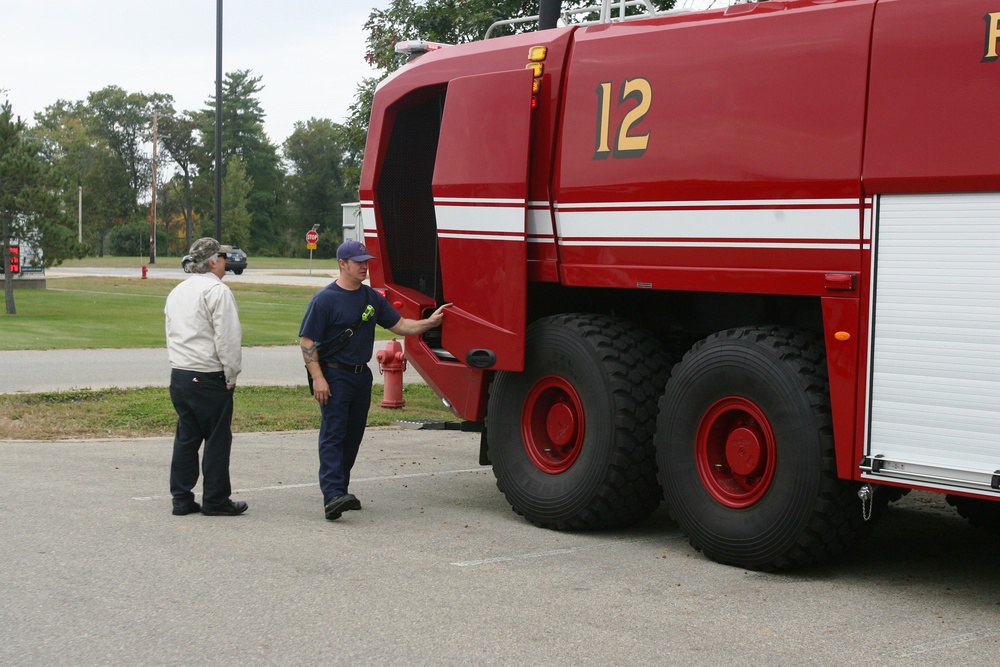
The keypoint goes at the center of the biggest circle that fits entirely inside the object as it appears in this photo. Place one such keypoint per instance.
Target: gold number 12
(626, 144)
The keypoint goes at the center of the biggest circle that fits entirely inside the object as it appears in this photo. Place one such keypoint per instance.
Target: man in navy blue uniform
(337, 337)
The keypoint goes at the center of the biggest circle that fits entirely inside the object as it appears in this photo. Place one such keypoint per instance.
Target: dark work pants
(342, 428)
(204, 413)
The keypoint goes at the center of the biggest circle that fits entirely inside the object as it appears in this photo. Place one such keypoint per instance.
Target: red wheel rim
(735, 452)
(552, 424)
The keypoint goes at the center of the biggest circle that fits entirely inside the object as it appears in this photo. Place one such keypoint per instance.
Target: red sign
(15, 259)
(312, 236)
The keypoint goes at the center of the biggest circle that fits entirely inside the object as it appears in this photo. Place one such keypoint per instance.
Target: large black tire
(745, 451)
(571, 437)
(980, 513)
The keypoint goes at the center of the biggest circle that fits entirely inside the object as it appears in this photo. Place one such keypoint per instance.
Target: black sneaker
(229, 509)
(187, 509)
(341, 504)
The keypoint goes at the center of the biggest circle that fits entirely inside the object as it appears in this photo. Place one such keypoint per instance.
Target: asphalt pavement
(437, 570)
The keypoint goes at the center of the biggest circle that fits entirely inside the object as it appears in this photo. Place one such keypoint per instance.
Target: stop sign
(312, 236)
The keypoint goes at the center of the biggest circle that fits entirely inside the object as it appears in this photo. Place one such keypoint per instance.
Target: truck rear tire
(745, 451)
(571, 437)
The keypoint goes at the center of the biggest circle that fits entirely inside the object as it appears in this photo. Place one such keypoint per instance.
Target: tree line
(100, 148)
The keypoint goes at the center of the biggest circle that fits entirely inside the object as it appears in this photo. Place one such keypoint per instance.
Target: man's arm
(310, 355)
(407, 327)
(228, 332)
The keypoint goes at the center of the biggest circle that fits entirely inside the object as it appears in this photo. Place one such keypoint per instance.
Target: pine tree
(30, 211)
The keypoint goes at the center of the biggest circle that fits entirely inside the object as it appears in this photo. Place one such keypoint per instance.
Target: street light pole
(218, 122)
(152, 222)
(79, 210)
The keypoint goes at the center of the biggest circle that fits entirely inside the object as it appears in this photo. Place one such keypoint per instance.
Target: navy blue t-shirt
(333, 309)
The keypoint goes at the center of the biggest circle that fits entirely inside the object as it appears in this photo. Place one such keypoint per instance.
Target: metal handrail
(605, 12)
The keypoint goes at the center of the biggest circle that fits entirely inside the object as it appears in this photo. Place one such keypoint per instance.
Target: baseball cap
(353, 250)
(207, 247)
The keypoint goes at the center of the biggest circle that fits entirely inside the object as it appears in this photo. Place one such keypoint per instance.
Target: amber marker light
(537, 69)
(842, 336)
(536, 54)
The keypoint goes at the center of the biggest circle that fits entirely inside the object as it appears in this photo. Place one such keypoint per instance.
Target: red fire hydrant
(392, 363)
(144, 271)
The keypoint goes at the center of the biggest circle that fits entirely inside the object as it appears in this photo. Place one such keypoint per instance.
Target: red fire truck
(741, 260)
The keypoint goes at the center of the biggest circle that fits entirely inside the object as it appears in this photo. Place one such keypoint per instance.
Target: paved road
(318, 277)
(436, 570)
(60, 370)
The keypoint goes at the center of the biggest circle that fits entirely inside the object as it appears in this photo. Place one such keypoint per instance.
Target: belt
(208, 374)
(360, 368)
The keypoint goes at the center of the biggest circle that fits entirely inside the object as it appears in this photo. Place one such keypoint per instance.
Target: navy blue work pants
(342, 428)
(204, 414)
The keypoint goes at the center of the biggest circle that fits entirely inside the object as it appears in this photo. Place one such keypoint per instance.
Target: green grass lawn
(147, 412)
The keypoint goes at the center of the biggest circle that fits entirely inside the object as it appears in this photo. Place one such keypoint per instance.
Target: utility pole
(152, 224)
(218, 122)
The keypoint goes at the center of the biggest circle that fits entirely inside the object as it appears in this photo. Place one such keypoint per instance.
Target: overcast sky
(309, 52)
